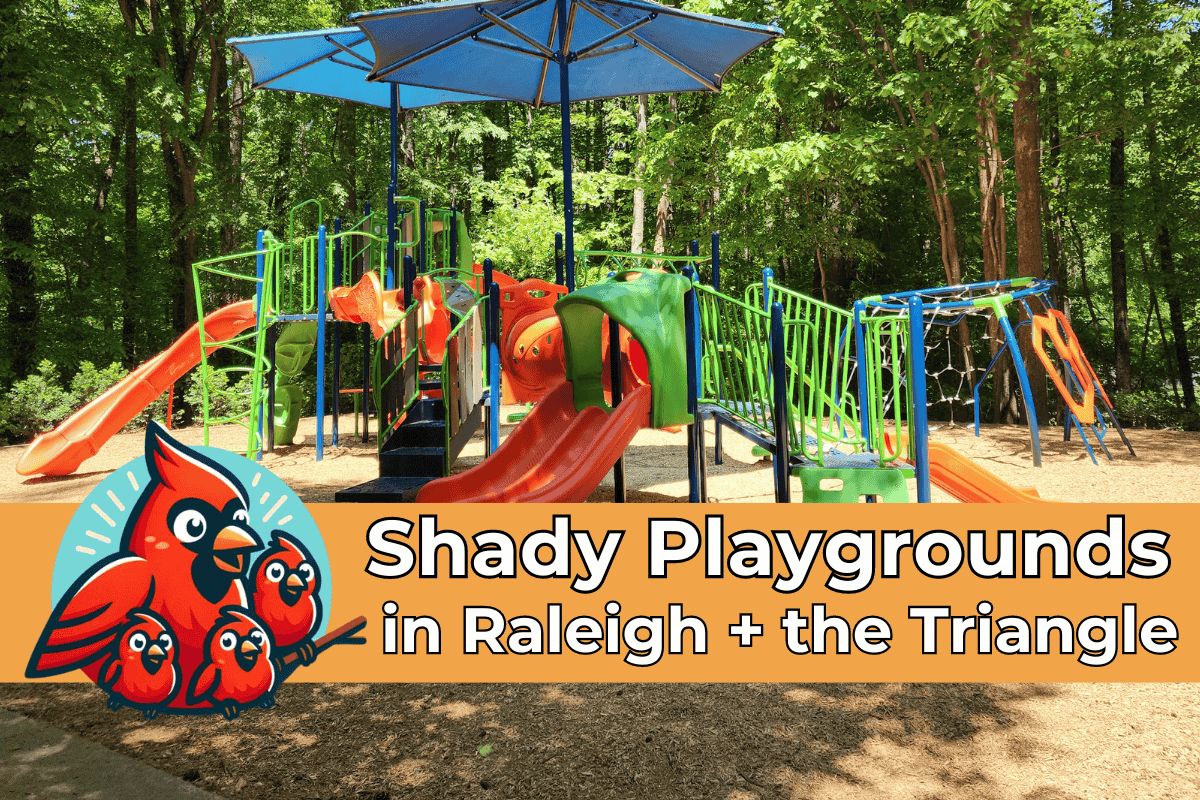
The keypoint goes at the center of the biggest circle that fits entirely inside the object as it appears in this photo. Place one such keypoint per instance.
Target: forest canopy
(877, 146)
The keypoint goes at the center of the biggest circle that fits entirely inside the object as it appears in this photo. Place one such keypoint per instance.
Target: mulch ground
(728, 741)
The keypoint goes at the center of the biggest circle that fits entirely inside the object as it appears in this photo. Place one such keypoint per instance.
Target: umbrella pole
(390, 282)
(564, 90)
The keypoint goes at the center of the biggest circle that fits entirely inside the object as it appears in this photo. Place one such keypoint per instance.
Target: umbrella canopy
(333, 63)
(512, 49)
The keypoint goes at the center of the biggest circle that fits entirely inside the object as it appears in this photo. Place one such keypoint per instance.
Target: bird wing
(90, 614)
(110, 673)
(204, 681)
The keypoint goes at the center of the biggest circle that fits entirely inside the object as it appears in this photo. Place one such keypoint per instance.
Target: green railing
(819, 352)
(736, 357)
(889, 402)
(225, 283)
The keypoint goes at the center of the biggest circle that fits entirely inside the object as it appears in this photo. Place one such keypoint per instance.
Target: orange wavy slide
(62, 450)
(968, 482)
(555, 455)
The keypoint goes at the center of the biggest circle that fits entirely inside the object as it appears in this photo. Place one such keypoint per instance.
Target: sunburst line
(132, 481)
(254, 483)
(116, 502)
(275, 507)
(104, 516)
(263, 500)
(99, 537)
(285, 520)
(81, 549)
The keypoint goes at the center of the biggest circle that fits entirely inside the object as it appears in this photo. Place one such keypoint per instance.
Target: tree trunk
(1164, 256)
(17, 154)
(1027, 141)
(131, 286)
(639, 169)
(1116, 250)
(663, 213)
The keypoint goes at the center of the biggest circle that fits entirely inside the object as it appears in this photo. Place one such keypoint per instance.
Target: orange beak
(249, 647)
(231, 538)
(156, 651)
(295, 581)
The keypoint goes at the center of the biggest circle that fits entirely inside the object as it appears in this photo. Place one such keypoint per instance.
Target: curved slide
(62, 450)
(556, 454)
(968, 482)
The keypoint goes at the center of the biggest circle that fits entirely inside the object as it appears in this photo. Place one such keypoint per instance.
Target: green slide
(293, 349)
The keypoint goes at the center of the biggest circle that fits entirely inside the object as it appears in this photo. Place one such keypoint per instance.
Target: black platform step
(418, 433)
(412, 462)
(382, 490)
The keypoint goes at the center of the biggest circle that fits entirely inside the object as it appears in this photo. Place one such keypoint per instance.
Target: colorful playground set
(643, 341)
(839, 398)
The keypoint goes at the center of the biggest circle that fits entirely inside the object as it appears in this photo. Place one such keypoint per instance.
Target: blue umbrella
(334, 63)
(602, 48)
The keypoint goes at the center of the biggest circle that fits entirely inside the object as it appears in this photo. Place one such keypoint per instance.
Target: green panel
(651, 308)
(888, 484)
(293, 349)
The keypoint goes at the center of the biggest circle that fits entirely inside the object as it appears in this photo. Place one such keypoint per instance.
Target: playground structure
(848, 388)
(284, 295)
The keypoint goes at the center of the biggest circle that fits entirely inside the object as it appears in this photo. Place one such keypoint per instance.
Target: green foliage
(227, 397)
(1156, 409)
(34, 404)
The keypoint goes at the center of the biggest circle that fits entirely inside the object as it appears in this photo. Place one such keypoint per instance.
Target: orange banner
(1041, 593)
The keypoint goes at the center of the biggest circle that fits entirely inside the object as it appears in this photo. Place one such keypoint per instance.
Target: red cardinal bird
(237, 670)
(141, 668)
(184, 555)
(285, 583)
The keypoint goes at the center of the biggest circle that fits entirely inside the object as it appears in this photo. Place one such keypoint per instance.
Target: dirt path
(721, 741)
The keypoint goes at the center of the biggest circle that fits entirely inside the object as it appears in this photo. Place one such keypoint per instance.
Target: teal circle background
(70, 563)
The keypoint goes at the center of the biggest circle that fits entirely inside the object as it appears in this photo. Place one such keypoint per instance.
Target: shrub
(35, 404)
(1156, 409)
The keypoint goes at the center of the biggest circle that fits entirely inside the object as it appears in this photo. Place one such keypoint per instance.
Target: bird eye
(164, 641)
(137, 642)
(256, 637)
(189, 526)
(306, 570)
(241, 516)
(275, 571)
(228, 640)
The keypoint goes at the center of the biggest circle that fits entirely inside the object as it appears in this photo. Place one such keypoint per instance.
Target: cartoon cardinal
(184, 554)
(140, 669)
(285, 584)
(237, 670)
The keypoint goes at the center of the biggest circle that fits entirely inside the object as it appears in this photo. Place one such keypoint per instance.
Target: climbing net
(965, 330)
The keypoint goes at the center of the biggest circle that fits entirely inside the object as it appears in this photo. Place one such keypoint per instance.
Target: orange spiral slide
(62, 450)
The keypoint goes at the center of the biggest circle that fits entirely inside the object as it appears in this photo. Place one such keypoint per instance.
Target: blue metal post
(410, 275)
(321, 267)
(493, 433)
(1026, 391)
(779, 419)
(338, 270)
(698, 344)
(389, 281)
(421, 265)
(564, 91)
(916, 389)
(260, 261)
(453, 234)
(395, 112)
(558, 259)
(366, 345)
(614, 370)
(689, 319)
(718, 449)
(860, 357)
